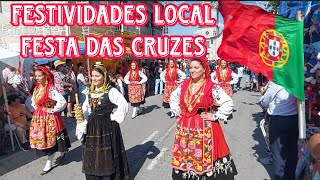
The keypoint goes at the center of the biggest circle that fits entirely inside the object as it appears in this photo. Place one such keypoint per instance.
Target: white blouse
(181, 74)
(116, 98)
(234, 76)
(223, 100)
(61, 102)
(143, 80)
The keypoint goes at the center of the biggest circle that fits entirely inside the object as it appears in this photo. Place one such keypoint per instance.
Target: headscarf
(174, 74)
(49, 84)
(229, 70)
(136, 70)
(106, 82)
(205, 65)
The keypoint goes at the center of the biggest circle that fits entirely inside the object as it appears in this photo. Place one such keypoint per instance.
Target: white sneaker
(266, 161)
(172, 115)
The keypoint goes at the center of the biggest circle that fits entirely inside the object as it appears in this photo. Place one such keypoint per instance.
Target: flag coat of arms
(264, 42)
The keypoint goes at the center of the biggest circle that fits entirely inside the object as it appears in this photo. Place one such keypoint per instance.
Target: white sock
(134, 112)
(49, 163)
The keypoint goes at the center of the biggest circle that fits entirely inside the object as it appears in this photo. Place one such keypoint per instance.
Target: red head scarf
(174, 73)
(49, 84)
(219, 63)
(205, 65)
(136, 70)
(229, 70)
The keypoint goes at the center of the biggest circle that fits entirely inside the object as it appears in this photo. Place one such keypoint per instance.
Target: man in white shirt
(8, 74)
(240, 74)
(283, 129)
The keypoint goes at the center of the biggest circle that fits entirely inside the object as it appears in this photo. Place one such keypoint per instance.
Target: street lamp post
(85, 32)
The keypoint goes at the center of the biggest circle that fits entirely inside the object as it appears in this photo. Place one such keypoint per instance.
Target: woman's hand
(207, 116)
(178, 115)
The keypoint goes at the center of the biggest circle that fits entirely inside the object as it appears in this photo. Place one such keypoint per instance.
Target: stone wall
(11, 34)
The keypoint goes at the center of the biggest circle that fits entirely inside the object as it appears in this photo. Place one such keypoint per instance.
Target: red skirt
(199, 146)
(44, 129)
(227, 88)
(169, 87)
(135, 93)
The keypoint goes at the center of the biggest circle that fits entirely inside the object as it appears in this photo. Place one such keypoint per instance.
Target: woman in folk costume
(172, 77)
(47, 130)
(135, 78)
(200, 150)
(224, 76)
(103, 151)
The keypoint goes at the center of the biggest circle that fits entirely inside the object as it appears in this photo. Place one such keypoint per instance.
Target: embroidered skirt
(169, 87)
(136, 94)
(200, 149)
(219, 173)
(48, 133)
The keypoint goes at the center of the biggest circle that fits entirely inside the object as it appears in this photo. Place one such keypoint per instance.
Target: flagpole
(301, 104)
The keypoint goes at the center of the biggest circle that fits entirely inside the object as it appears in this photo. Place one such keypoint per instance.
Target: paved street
(148, 139)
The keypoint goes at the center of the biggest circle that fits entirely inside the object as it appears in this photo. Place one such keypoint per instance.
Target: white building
(213, 38)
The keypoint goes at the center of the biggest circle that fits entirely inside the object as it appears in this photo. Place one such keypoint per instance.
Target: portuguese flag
(264, 42)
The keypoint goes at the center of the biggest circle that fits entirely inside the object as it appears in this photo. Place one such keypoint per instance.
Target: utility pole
(85, 32)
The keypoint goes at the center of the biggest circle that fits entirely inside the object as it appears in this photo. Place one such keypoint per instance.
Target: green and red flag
(264, 42)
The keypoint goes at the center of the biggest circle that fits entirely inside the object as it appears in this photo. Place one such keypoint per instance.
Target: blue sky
(181, 30)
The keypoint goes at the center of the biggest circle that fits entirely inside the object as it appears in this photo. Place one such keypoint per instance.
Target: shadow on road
(138, 154)
(248, 103)
(148, 109)
(260, 149)
(14, 160)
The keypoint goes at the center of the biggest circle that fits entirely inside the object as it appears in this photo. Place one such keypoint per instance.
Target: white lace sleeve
(234, 78)
(163, 76)
(182, 76)
(86, 109)
(61, 102)
(33, 104)
(144, 78)
(117, 98)
(214, 77)
(175, 100)
(224, 101)
(126, 78)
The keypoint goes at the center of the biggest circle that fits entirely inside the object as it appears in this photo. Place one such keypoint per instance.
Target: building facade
(213, 38)
(10, 35)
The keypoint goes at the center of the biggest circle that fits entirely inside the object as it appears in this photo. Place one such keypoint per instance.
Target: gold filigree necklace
(223, 74)
(193, 95)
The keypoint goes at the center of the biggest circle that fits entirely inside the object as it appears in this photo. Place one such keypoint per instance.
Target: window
(0, 7)
(208, 43)
(211, 41)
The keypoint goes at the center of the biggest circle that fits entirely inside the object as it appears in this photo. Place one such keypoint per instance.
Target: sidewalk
(20, 158)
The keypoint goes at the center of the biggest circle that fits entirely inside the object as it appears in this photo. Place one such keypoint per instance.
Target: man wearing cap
(60, 79)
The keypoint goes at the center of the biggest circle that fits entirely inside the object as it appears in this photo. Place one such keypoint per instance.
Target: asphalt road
(148, 140)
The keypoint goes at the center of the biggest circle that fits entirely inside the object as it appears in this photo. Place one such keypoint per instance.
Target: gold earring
(46, 81)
